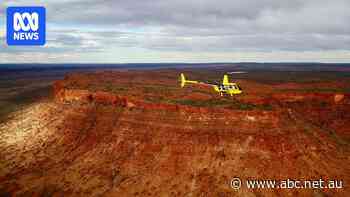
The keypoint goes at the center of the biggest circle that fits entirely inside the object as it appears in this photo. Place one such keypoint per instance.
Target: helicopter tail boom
(183, 80)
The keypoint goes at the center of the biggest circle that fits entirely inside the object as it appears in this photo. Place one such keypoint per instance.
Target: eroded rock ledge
(64, 94)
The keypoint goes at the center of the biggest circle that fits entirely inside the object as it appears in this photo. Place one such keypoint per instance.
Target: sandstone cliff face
(101, 142)
(62, 94)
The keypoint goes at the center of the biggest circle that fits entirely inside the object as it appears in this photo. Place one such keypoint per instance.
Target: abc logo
(33, 21)
(26, 26)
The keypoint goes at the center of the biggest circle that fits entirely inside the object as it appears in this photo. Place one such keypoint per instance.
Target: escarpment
(129, 133)
(135, 90)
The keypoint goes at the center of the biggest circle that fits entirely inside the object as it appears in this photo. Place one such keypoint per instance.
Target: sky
(193, 31)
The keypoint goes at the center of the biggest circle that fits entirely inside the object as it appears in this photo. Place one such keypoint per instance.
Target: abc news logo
(26, 26)
(19, 24)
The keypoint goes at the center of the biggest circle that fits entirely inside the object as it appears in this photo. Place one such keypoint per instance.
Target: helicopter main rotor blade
(237, 72)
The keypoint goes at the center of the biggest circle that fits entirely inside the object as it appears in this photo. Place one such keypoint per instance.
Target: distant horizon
(238, 66)
(190, 63)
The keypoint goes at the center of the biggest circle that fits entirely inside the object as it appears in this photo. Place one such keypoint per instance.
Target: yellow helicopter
(225, 87)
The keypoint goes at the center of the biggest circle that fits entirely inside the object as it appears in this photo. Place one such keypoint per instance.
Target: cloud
(190, 27)
(227, 16)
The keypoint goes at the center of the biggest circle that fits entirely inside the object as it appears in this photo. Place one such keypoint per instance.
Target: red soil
(116, 134)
